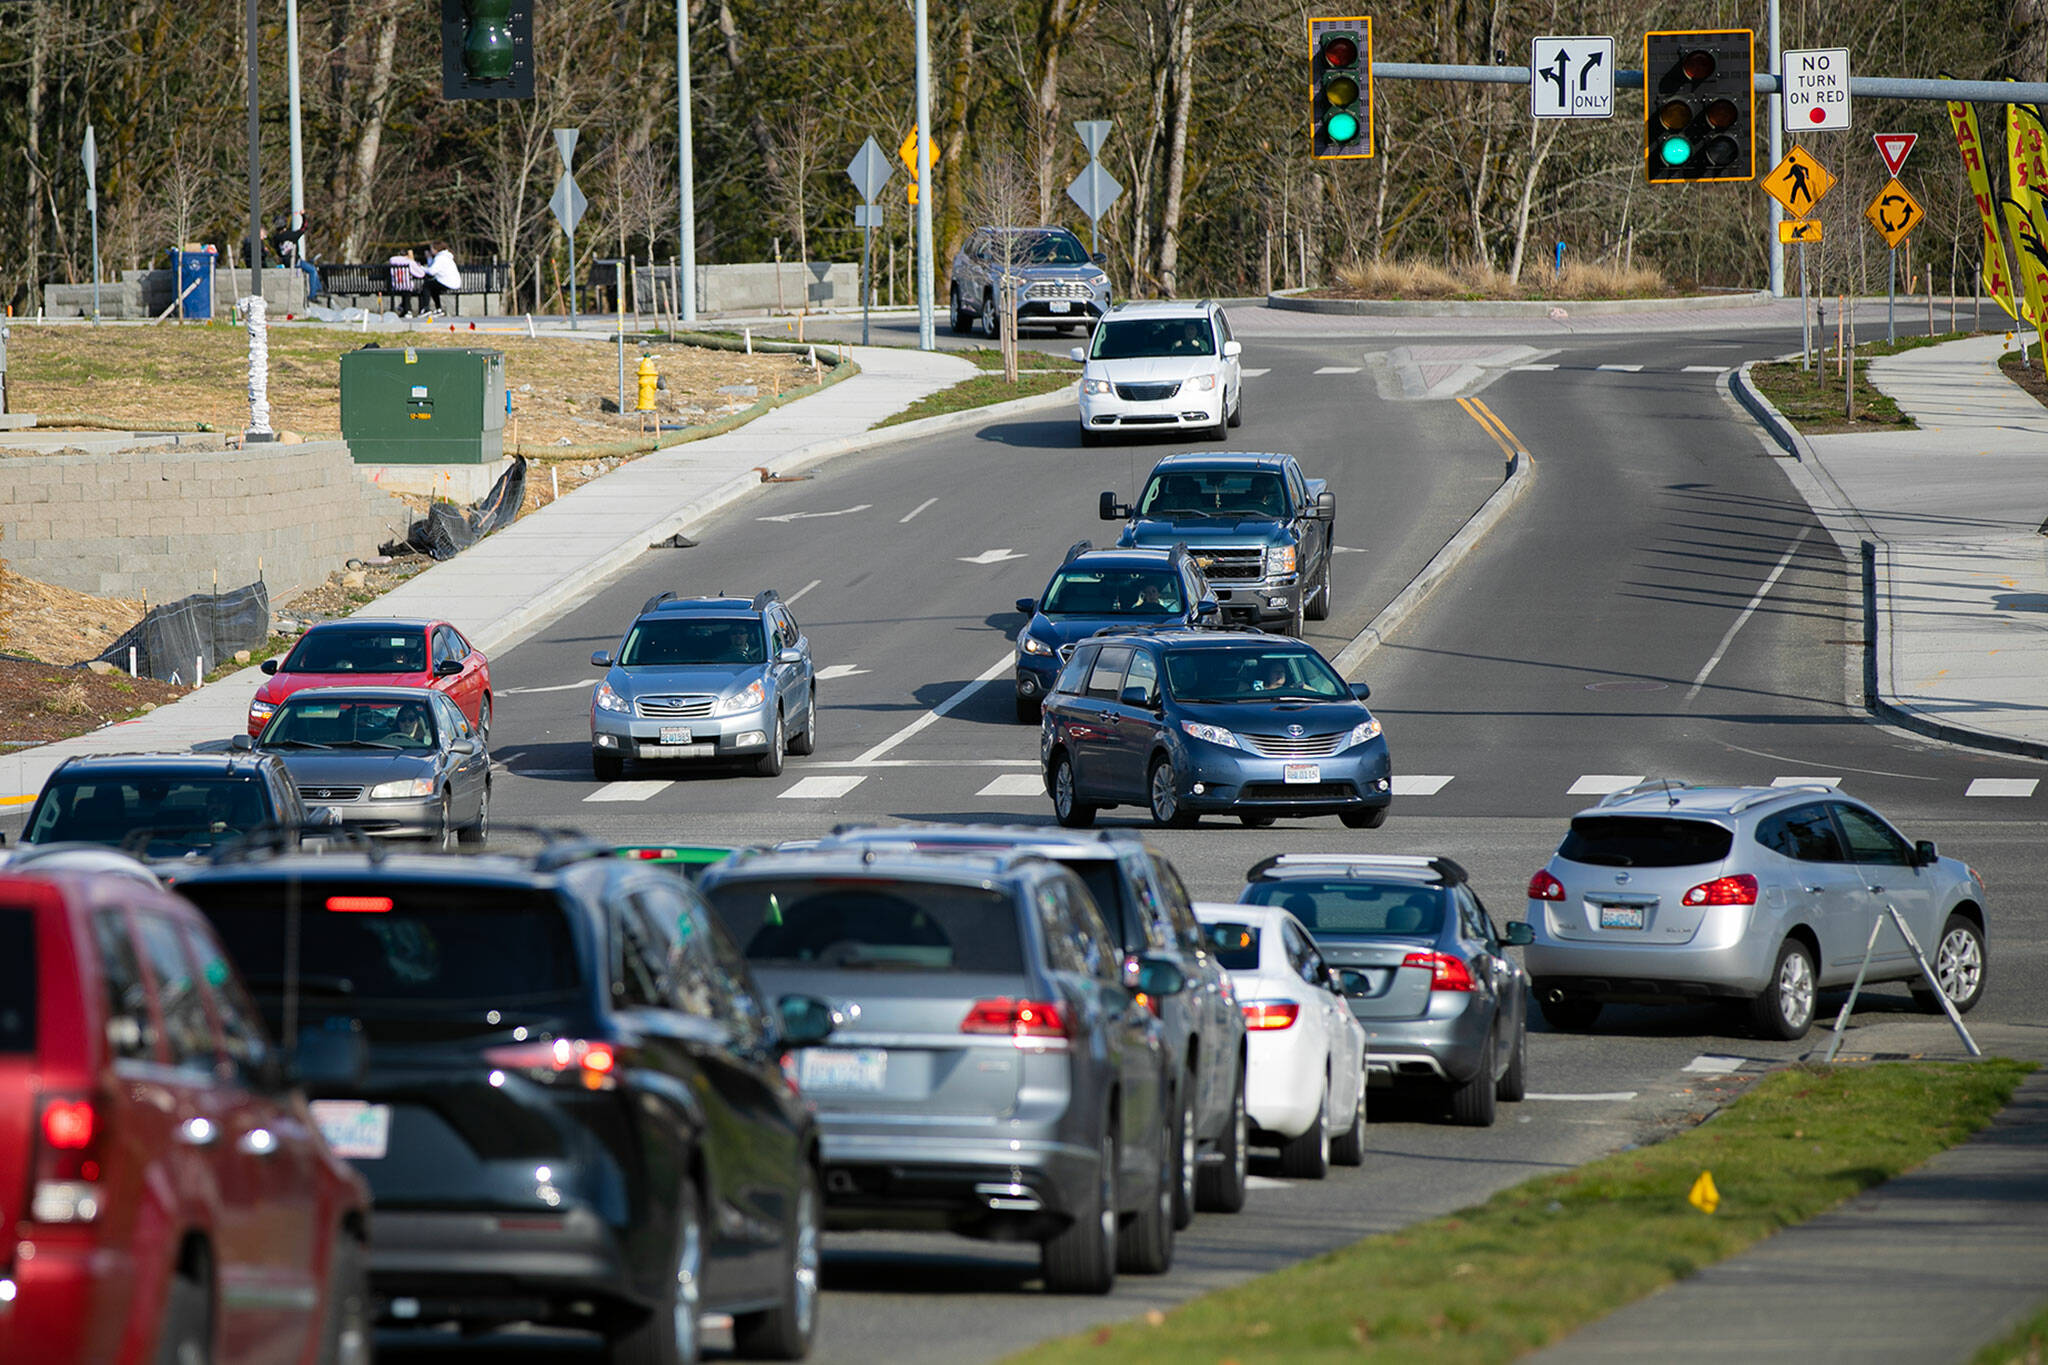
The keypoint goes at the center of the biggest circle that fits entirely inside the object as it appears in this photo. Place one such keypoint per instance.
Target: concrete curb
(1294, 300)
(1521, 474)
(1775, 423)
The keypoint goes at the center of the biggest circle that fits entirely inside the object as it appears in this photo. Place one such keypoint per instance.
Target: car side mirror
(1028, 605)
(790, 656)
(1361, 691)
(1208, 609)
(1326, 507)
(1138, 695)
(242, 743)
(1924, 853)
(470, 747)
(1520, 934)
(1109, 509)
(447, 668)
(268, 666)
(806, 1020)
(1154, 976)
(1232, 349)
(1100, 258)
(601, 658)
(1078, 354)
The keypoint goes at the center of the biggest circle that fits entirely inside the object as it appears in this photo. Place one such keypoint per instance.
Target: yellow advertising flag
(1997, 279)
(2026, 151)
(2032, 253)
(1704, 1196)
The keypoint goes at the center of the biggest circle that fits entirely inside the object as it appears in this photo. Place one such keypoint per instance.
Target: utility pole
(291, 53)
(925, 339)
(686, 170)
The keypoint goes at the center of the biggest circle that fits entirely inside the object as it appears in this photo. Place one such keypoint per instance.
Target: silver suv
(1766, 894)
(1058, 283)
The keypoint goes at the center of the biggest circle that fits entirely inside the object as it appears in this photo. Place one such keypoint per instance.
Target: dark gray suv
(993, 1071)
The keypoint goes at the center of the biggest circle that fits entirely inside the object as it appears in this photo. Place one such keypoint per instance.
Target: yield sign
(1893, 147)
(1798, 182)
(1894, 213)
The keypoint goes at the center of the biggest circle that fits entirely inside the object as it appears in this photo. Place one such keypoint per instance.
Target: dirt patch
(2027, 374)
(47, 622)
(39, 703)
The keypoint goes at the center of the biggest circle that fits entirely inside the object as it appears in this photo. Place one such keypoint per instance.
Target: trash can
(423, 405)
(195, 283)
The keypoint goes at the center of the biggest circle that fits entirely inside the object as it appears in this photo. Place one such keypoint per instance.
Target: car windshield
(17, 980)
(700, 640)
(1236, 945)
(310, 722)
(1136, 338)
(1263, 673)
(1043, 248)
(1644, 841)
(180, 812)
(1344, 907)
(1234, 493)
(358, 649)
(871, 923)
(1113, 592)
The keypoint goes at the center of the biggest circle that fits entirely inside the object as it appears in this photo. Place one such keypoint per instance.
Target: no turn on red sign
(1816, 86)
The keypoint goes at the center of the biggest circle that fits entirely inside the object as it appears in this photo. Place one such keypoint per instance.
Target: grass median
(1538, 1261)
(981, 391)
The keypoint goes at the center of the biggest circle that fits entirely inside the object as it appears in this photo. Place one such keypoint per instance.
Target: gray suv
(1058, 283)
(708, 678)
(1763, 894)
(993, 1071)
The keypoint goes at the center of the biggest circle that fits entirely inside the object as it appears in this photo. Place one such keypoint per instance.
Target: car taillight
(1739, 889)
(1446, 973)
(67, 1163)
(1271, 1014)
(592, 1065)
(359, 905)
(1020, 1019)
(1544, 887)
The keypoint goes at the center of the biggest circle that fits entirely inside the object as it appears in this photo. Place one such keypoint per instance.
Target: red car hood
(278, 686)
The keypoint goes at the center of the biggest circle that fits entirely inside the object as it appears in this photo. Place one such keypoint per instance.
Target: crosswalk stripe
(1600, 784)
(1340, 369)
(628, 791)
(1704, 369)
(824, 788)
(1806, 782)
(1622, 369)
(1014, 784)
(1253, 374)
(1416, 784)
(2002, 786)
(1536, 368)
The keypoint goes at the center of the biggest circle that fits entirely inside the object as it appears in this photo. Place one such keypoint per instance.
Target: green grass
(2026, 1344)
(980, 392)
(991, 358)
(1812, 399)
(1535, 1262)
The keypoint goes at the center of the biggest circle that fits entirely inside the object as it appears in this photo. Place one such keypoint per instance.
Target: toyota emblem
(1296, 731)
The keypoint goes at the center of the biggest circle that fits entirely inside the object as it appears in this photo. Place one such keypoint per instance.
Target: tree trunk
(32, 149)
(1541, 140)
(1177, 152)
(363, 172)
(950, 207)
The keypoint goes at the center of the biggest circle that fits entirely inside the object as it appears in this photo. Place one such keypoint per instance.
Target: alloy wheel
(1795, 990)
(1959, 964)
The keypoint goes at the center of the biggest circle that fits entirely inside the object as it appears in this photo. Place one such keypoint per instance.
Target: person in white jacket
(443, 277)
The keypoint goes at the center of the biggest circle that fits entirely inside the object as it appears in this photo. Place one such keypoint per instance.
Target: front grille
(1293, 746)
(1057, 289)
(1297, 791)
(677, 708)
(1232, 565)
(1147, 393)
(327, 796)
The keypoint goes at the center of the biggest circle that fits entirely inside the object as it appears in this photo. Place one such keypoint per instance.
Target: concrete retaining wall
(159, 522)
(751, 287)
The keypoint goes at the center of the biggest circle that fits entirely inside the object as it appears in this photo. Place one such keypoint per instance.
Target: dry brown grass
(1415, 279)
(68, 700)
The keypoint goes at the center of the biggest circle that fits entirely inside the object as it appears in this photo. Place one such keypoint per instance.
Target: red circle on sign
(1817, 114)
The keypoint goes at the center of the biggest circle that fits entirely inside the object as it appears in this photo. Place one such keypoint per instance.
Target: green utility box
(420, 405)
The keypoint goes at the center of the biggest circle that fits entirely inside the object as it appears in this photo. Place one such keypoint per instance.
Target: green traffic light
(1341, 127)
(1674, 151)
(487, 50)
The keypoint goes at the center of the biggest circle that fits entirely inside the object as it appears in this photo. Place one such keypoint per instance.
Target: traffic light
(486, 49)
(1340, 88)
(1699, 105)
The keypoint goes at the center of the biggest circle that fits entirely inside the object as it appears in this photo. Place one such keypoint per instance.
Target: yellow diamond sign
(1798, 182)
(1894, 213)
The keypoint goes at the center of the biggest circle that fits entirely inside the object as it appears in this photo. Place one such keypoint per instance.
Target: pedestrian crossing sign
(1799, 230)
(1798, 182)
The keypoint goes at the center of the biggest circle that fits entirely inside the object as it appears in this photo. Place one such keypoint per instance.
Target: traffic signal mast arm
(1764, 83)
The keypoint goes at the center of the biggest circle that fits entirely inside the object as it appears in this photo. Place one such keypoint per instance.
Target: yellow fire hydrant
(648, 381)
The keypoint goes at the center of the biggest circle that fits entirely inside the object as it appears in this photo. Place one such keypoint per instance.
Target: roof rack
(1078, 548)
(1669, 786)
(651, 603)
(1452, 873)
(1757, 798)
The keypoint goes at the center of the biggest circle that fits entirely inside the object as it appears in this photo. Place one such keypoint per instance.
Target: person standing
(443, 277)
(406, 272)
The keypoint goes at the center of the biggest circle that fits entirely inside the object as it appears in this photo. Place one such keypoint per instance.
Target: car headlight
(1361, 733)
(410, 786)
(1096, 386)
(608, 700)
(746, 699)
(1214, 734)
(1031, 644)
(262, 710)
(1099, 280)
(1204, 383)
(1280, 559)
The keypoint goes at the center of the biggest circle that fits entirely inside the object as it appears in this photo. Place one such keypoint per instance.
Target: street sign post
(1894, 213)
(568, 204)
(1894, 148)
(1816, 87)
(91, 157)
(1571, 77)
(869, 171)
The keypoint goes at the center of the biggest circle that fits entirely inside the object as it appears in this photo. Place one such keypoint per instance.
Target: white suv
(1160, 366)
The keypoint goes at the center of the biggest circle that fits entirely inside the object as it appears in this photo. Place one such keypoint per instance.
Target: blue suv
(1093, 589)
(1196, 722)
(718, 678)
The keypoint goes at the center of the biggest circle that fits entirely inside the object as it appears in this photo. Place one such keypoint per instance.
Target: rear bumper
(997, 1188)
(1283, 1081)
(1450, 1048)
(428, 1267)
(1619, 971)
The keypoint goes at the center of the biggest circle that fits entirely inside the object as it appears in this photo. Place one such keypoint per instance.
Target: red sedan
(397, 653)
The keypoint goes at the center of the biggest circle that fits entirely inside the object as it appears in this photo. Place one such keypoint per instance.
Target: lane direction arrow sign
(1571, 77)
(1798, 182)
(1799, 230)
(1894, 213)
(1894, 148)
(870, 170)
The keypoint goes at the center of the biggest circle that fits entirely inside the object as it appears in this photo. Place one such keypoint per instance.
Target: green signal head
(1674, 151)
(1341, 127)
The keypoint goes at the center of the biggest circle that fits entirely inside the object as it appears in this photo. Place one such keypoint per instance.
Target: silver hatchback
(1667, 891)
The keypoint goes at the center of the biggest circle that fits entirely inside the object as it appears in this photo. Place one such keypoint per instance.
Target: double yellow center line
(1489, 421)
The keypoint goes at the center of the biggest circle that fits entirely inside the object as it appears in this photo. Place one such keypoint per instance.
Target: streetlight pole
(291, 56)
(686, 170)
(922, 179)
(259, 353)
(1777, 152)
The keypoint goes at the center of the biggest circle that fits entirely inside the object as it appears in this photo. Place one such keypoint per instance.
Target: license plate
(354, 1129)
(678, 750)
(1062, 306)
(1303, 772)
(675, 734)
(825, 1068)
(1621, 917)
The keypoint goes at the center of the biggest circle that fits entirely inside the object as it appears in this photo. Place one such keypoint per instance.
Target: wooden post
(1930, 300)
(1849, 362)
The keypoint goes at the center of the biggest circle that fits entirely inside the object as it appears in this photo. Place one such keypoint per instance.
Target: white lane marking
(1001, 556)
(1708, 1064)
(823, 788)
(788, 517)
(1346, 550)
(915, 510)
(628, 791)
(1806, 782)
(922, 763)
(1014, 784)
(801, 591)
(1747, 612)
(586, 684)
(1611, 1095)
(831, 671)
(944, 708)
(1414, 784)
(1253, 374)
(2002, 786)
(1537, 368)
(1704, 369)
(1340, 369)
(1599, 784)
(1621, 369)
(540, 772)
(1264, 1182)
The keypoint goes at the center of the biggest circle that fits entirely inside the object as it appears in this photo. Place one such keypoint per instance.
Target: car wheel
(990, 326)
(1027, 711)
(483, 717)
(785, 1332)
(345, 1339)
(1167, 809)
(187, 1335)
(1220, 1188)
(1785, 1010)
(1067, 808)
(1308, 1157)
(1237, 408)
(960, 325)
(1144, 1246)
(1317, 606)
(668, 1334)
(805, 742)
(1255, 821)
(1472, 1104)
(1364, 819)
(770, 763)
(1514, 1082)
(1082, 1259)
(605, 766)
(1958, 965)
(1292, 625)
(1569, 1013)
(445, 840)
(480, 830)
(1349, 1147)
(1186, 1160)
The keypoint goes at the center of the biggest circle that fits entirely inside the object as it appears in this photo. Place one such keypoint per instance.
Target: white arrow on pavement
(1345, 550)
(788, 517)
(991, 556)
(831, 671)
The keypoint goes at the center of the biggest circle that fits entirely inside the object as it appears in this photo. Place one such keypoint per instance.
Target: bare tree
(1000, 195)
(800, 140)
